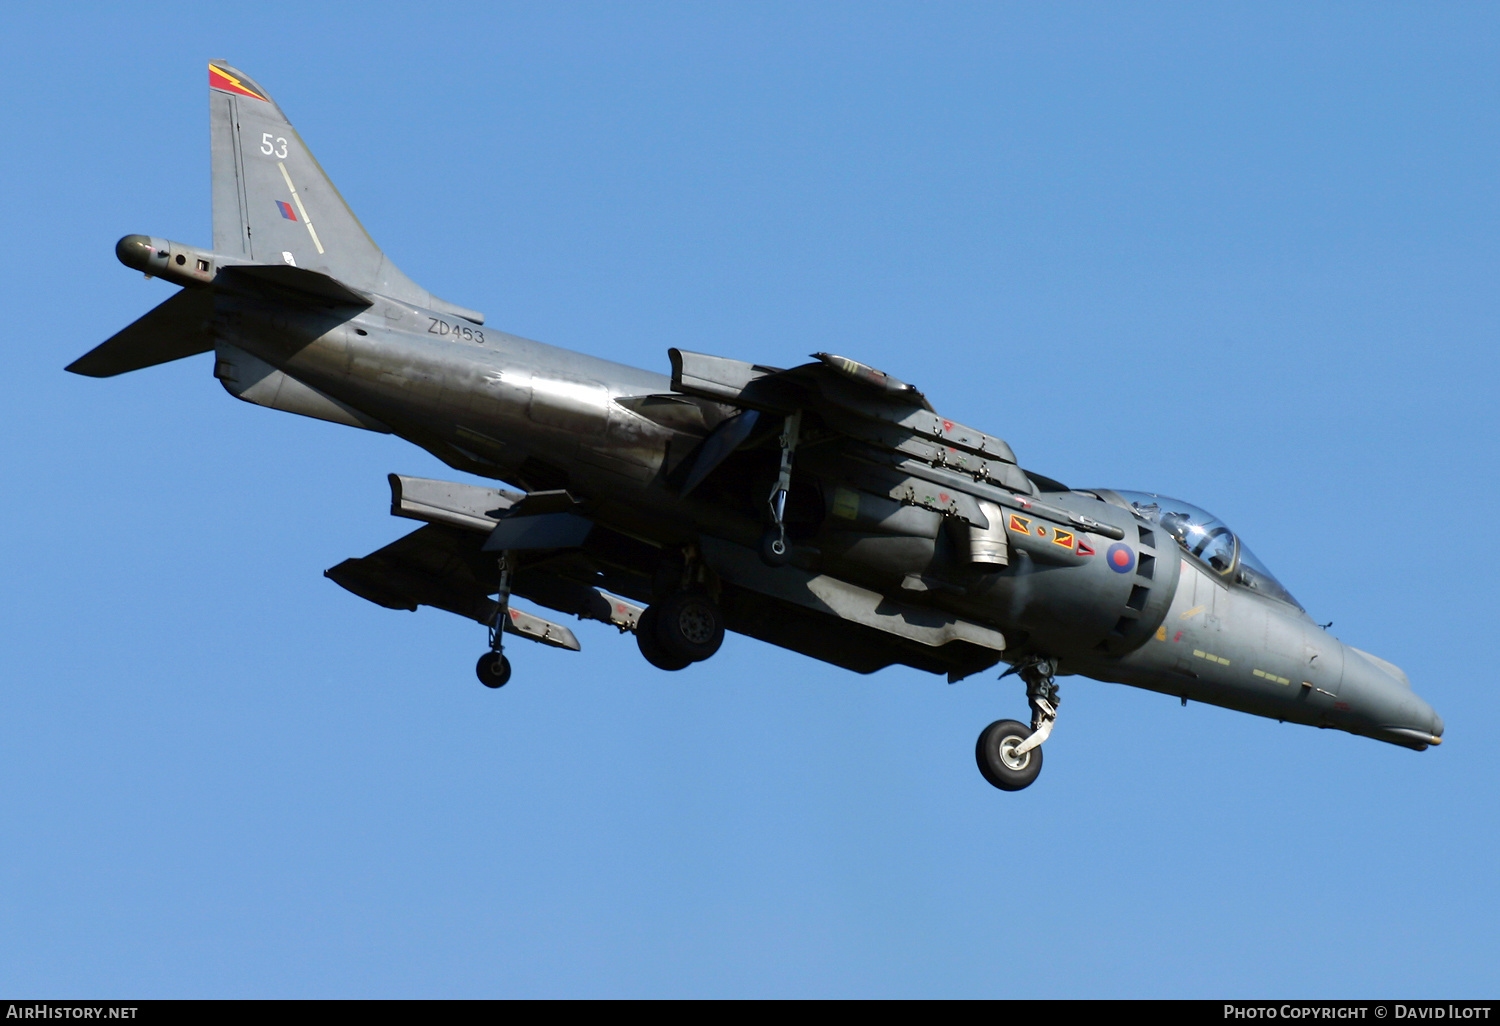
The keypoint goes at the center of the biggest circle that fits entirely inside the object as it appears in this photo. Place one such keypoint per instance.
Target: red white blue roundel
(1120, 557)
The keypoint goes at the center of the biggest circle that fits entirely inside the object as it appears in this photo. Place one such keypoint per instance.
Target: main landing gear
(1009, 753)
(685, 627)
(493, 669)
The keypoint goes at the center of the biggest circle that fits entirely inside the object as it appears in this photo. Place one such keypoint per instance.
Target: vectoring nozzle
(162, 258)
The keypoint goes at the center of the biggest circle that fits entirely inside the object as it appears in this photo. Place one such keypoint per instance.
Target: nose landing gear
(1009, 754)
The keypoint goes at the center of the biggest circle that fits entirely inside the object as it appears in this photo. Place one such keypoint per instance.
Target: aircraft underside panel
(446, 565)
(255, 381)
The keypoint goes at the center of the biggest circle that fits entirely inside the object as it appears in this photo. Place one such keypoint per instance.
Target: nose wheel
(1009, 753)
(1000, 758)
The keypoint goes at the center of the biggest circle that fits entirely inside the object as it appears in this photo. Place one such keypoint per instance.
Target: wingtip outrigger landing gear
(774, 550)
(493, 669)
(1009, 754)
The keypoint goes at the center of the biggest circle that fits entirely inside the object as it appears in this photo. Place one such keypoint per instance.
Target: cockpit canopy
(1209, 540)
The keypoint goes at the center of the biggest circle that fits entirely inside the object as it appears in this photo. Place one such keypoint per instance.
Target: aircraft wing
(868, 431)
(448, 565)
(433, 566)
(445, 565)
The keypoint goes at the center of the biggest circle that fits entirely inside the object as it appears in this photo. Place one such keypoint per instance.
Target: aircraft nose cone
(1383, 705)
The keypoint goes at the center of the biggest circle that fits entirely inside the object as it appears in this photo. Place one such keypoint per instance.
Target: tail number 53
(273, 147)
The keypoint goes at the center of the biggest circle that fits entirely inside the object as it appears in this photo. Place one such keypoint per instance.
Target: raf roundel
(1120, 557)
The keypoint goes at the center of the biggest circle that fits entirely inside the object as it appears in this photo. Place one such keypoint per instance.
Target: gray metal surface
(910, 538)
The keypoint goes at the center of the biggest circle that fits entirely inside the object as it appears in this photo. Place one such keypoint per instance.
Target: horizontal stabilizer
(300, 279)
(175, 329)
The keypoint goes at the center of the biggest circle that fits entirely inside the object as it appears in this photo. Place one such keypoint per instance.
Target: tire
(1005, 771)
(493, 670)
(773, 550)
(689, 625)
(651, 647)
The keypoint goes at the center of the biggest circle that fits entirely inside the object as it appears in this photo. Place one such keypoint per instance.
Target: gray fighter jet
(826, 508)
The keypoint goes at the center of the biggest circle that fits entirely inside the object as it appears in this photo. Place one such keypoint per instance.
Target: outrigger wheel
(493, 670)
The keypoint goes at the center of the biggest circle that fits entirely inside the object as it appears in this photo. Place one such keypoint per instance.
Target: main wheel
(689, 625)
(998, 760)
(651, 646)
(493, 670)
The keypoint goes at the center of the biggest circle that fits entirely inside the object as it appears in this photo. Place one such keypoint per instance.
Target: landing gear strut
(1009, 754)
(493, 669)
(774, 550)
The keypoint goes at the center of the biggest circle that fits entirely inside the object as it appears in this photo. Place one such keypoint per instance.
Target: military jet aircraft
(826, 508)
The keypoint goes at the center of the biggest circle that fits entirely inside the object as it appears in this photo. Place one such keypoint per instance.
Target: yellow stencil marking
(846, 504)
(1191, 613)
(1161, 633)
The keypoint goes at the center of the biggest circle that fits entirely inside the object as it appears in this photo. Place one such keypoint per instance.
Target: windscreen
(1209, 540)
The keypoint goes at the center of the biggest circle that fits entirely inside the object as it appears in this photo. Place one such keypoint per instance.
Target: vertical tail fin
(274, 205)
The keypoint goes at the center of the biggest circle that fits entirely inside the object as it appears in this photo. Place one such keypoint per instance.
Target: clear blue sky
(1244, 254)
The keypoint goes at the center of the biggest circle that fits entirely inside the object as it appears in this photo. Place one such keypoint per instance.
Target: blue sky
(1244, 254)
